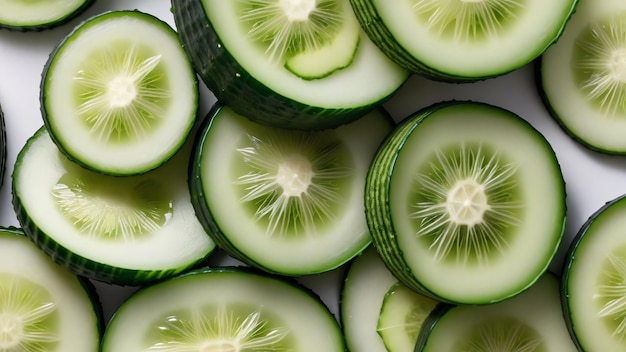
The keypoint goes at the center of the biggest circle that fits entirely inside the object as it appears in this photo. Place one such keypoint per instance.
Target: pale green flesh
(42, 306)
(290, 192)
(529, 322)
(401, 316)
(36, 12)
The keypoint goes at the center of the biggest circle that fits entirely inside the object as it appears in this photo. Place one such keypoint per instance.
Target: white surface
(592, 178)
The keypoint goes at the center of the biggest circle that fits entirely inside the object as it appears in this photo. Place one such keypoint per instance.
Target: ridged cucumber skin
(88, 286)
(73, 262)
(49, 25)
(234, 86)
(3, 147)
(376, 30)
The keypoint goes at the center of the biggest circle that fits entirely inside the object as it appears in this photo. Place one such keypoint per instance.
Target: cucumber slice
(531, 321)
(118, 103)
(128, 231)
(463, 40)
(223, 309)
(593, 276)
(246, 51)
(458, 210)
(43, 307)
(582, 78)
(285, 201)
(35, 15)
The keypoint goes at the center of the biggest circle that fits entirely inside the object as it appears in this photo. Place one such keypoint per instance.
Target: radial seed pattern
(502, 334)
(611, 294)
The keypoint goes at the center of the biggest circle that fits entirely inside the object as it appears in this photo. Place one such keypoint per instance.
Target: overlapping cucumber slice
(298, 64)
(466, 202)
(463, 40)
(582, 78)
(531, 321)
(35, 15)
(118, 94)
(223, 309)
(286, 201)
(124, 230)
(43, 307)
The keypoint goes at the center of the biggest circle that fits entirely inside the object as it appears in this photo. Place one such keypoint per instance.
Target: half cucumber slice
(118, 103)
(223, 309)
(124, 230)
(463, 40)
(285, 201)
(43, 307)
(582, 78)
(593, 280)
(35, 15)
(531, 321)
(297, 64)
(466, 203)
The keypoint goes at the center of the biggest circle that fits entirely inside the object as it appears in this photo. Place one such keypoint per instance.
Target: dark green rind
(88, 286)
(429, 324)
(235, 87)
(73, 262)
(3, 147)
(570, 258)
(378, 32)
(38, 27)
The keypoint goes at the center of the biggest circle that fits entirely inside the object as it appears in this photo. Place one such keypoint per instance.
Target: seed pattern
(611, 294)
(504, 334)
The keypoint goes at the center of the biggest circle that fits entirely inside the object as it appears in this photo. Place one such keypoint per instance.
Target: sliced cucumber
(223, 309)
(118, 103)
(459, 210)
(593, 280)
(253, 55)
(131, 230)
(285, 201)
(582, 78)
(34, 15)
(531, 321)
(463, 40)
(43, 307)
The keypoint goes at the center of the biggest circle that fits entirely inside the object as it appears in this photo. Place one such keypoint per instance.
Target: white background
(592, 178)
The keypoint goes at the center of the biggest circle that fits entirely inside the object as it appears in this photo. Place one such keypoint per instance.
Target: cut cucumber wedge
(532, 321)
(593, 280)
(43, 307)
(117, 103)
(582, 78)
(466, 203)
(463, 40)
(297, 64)
(124, 230)
(285, 201)
(35, 15)
(223, 309)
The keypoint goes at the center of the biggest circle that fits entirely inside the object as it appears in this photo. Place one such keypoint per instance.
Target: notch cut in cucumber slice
(223, 309)
(115, 103)
(43, 307)
(221, 40)
(285, 201)
(36, 15)
(593, 276)
(582, 78)
(123, 230)
(458, 211)
(463, 40)
(531, 321)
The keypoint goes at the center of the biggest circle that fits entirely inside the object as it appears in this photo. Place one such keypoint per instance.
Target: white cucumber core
(294, 175)
(297, 10)
(467, 203)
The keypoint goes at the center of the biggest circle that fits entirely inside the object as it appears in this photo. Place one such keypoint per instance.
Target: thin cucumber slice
(582, 78)
(245, 52)
(43, 307)
(117, 103)
(124, 230)
(285, 201)
(35, 15)
(223, 309)
(458, 210)
(593, 276)
(531, 321)
(463, 40)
